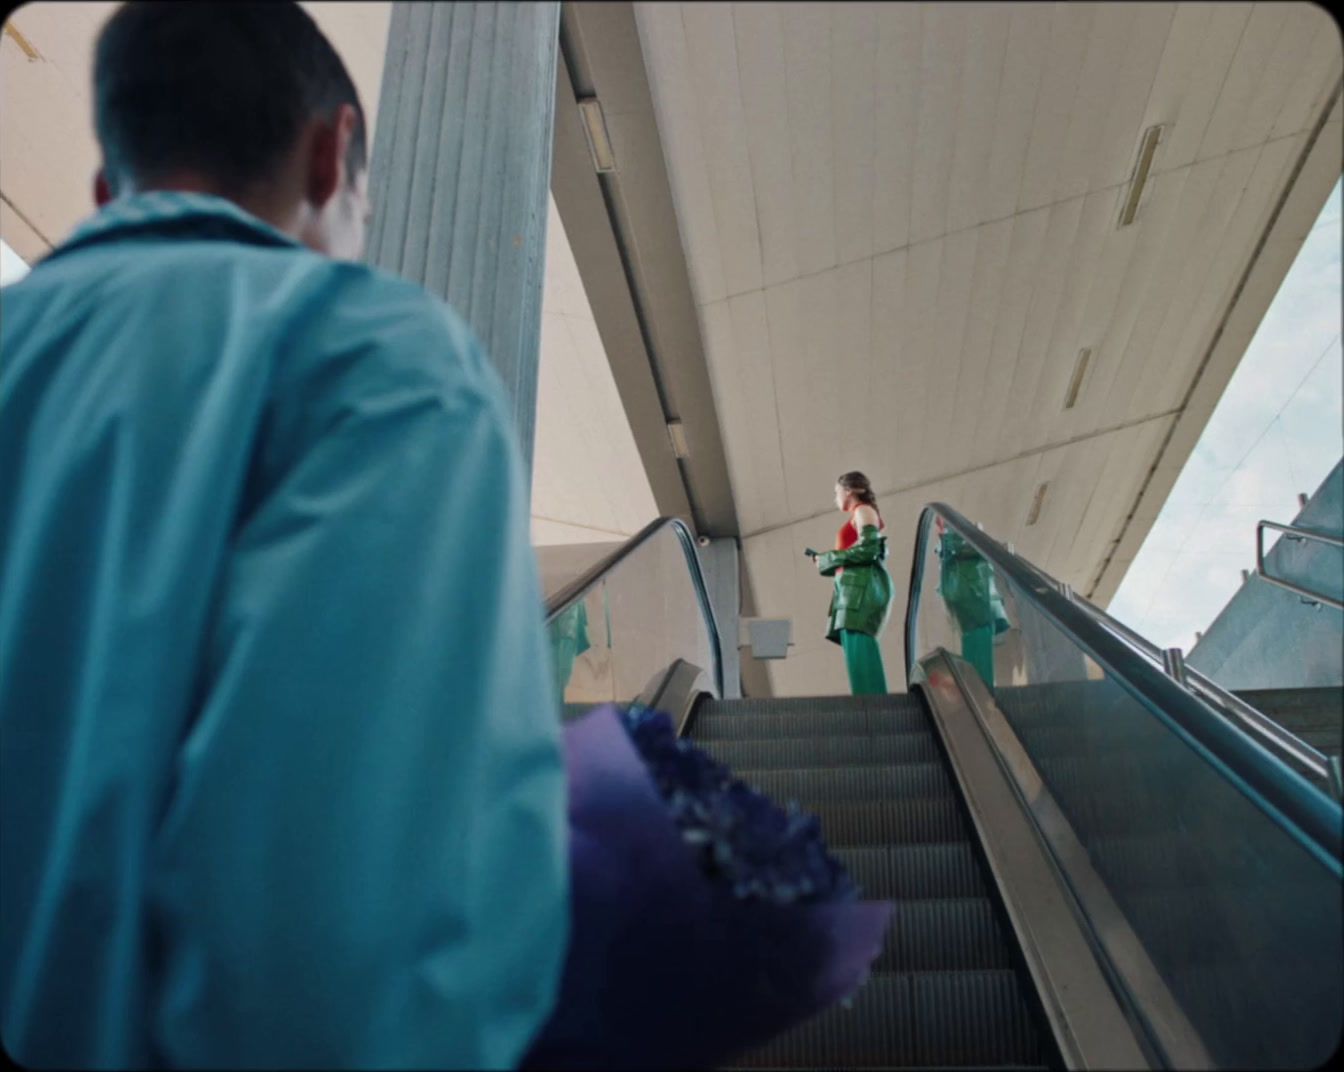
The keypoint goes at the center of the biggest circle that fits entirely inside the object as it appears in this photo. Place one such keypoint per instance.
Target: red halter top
(848, 535)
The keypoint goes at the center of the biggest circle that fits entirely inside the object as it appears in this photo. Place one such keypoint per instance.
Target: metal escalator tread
(944, 991)
(913, 820)
(810, 785)
(907, 747)
(914, 1020)
(816, 705)
(914, 872)
(713, 726)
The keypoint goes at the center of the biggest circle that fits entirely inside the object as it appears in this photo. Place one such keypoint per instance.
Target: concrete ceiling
(900, 227)
(589, 484)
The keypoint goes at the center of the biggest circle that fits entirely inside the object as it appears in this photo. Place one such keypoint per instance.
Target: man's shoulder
(369, 302)
(393, 325)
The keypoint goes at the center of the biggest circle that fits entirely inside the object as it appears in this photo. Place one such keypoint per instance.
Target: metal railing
(1268, 763)
(581, 585)
(1296, 534)
(1282, 741)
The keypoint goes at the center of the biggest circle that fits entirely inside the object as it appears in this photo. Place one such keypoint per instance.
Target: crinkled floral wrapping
(701, 924)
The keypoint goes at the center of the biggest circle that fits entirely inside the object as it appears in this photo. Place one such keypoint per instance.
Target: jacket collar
(169, 212)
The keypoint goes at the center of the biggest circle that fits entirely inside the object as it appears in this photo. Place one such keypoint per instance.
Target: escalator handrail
(1194, 714)
(586, 581)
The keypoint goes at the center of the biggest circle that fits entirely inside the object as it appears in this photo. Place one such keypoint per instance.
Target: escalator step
(911, 747)
(913, 821)
(816, 705)
(945, 935)
(813, 785)
(932, 1020)
(769, 726)
(974, 1019)
(914, 872)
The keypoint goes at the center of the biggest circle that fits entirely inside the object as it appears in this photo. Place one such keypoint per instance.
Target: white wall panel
(807, 56)
(1191, 76)
(1318, 71)
(982, 71)
(756, 381)
(1096, 225)
(1052, 274)
(1112, 157)
(712, 56)
(1024, 255)
(1094, 95)
(1015, 104)
(957, 273)
(897, 95)
(942, 44)
(662, 35)
(973, 372)
(853, 124)
(765, 113)
(1245, 79)
(1070, 29)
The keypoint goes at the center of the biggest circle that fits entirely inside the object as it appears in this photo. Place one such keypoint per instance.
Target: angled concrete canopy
(901, 224)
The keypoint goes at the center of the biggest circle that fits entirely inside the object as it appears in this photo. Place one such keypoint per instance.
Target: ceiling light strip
(1035, 511)
(599, 143)
(1147, 147)
(1076, 381)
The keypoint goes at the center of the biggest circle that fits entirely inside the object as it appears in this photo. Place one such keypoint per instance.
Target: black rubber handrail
(581, 585)
(1300, 808)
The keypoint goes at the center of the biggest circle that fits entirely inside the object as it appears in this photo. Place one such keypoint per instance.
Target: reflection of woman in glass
(966, 583)
(862, 597)
(569, 640)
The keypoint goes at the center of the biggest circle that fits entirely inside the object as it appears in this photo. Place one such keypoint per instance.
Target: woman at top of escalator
(861, 599)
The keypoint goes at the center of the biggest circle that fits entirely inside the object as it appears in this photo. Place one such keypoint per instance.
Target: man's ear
(327, 154)
(102, 189)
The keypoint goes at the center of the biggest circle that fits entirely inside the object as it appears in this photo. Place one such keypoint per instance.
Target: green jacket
(861, 601)
(966, 583)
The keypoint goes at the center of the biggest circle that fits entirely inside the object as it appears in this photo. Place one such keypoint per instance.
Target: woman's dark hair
(219, 88)
(857, 485)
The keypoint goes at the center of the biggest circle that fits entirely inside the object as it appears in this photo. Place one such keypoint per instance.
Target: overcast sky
(12, 268)
(1278, 430)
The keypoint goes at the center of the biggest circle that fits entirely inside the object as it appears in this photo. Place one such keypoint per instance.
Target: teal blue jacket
(280, 770)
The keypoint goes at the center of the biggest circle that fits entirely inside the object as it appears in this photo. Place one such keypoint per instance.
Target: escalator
(1098, 858)
(946, 989)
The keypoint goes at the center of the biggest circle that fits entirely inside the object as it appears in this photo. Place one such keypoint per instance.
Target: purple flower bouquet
(704, 918)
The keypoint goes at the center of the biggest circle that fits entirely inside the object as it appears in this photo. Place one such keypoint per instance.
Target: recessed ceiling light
(1035, 511)
(1076, 380)
(595, 126)
(676, 432)
(1147, 147)
(26, 46)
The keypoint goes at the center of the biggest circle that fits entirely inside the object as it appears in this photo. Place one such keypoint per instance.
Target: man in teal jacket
(280, 772)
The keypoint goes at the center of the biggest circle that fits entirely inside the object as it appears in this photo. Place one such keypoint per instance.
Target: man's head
(245, 100)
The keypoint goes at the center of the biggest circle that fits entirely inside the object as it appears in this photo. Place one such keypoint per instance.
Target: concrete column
(461, 170)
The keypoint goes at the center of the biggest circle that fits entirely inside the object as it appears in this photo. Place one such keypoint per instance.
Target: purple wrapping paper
(665, 966)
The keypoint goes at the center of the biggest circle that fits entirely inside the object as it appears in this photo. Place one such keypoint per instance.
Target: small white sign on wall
(769, 637)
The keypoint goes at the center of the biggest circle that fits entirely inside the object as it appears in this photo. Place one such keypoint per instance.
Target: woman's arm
(864, 553)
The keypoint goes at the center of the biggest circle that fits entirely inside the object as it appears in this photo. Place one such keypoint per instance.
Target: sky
(1278, 430)
(12, 267)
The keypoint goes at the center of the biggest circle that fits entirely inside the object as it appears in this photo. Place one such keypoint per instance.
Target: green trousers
(863, 660)
(977, 648)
